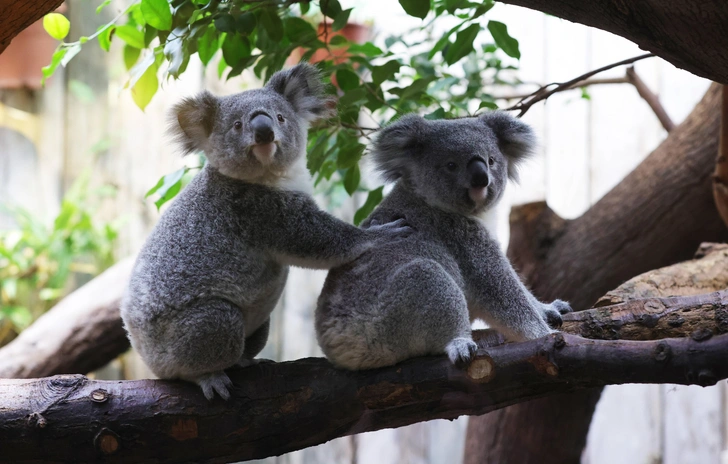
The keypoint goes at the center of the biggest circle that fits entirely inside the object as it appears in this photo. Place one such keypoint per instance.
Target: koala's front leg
(254, 344)
(300, 234)
(499, 297)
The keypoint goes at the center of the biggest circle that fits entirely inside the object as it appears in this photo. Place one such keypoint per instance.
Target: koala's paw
(552, 313)
(216, 382)
(395, 229)
(461, 351)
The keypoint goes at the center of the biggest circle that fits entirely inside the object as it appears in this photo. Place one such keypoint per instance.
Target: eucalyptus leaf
(373, 199)
(416, 8)
(145, 87)
(131, 35)
(157, 14)
(508, 44)
(56, 25)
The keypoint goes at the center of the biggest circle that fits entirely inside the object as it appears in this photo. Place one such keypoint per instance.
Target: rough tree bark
(279, 407)
(690, 35)
(16, 16)
(720, 176)
(83, 332)
(656, 216)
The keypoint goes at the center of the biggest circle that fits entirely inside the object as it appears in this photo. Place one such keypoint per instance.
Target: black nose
(262, 126)
(478, 171)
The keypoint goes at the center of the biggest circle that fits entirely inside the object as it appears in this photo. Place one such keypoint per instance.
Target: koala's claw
(217, 382)
(461, 351)
(398, 228)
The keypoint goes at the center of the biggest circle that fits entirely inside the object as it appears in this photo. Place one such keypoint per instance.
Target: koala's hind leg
(254, 344)
(206, 338)
(426, 313)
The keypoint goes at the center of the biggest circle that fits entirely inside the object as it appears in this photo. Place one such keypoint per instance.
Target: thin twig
(651, 99)
(585, 83)
(542, 93)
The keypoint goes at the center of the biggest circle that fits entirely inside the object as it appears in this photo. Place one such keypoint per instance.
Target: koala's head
(256, 135)
(459, 165)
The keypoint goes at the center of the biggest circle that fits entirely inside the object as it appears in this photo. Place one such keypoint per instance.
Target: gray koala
(419, 296)
(213, 268)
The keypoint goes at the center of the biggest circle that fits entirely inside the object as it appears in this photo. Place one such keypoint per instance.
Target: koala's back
(397, 288)
(200, 249)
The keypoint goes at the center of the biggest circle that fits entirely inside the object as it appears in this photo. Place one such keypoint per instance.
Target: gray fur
(419, 296)
(213, 268)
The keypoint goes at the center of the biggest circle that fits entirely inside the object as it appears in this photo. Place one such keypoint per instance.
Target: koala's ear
(515, 138)
(396, 146)
(192, 121)
(302, 86)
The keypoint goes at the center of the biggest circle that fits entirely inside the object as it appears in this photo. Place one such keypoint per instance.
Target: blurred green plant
(440, 74)
(39, 262)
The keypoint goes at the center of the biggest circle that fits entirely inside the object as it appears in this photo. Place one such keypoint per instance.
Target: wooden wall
(586, 147)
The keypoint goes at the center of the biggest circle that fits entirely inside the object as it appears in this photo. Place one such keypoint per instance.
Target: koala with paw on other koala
(419, 297)
(208, 277)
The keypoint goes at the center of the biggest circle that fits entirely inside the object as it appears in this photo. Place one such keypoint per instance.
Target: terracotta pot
(22, 60)
(357, 33)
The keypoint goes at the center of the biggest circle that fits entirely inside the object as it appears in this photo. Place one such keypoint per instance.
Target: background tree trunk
(16, 16)
(656, 216)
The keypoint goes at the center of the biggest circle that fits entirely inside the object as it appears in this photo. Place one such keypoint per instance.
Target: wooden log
(281, 407)
(81, 333)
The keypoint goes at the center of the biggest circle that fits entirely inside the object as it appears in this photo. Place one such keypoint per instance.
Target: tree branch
(16, 16)
(651, 99)
(543, 93)
(690, 35)
(282, 407)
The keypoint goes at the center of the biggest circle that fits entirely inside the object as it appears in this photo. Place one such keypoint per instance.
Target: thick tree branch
(720, 175)
(690, 35)
(16, 16)
(281, 407)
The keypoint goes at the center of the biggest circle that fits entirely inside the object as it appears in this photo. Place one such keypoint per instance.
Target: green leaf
(145, 87)
(338, 40)
(20, 316)
(131, 55)
(157, 14)
(352, 179)
(305, 6)
(225, 23)
(208, 45)
(70, 53)
(298, 30)
(55, 61)
(437, 114)
(367, 49)
(245, 23)
(482, 9)
(104, 36)
(416, 8)
(235, 48)
(168, 186)
(488, 104)
(81, 91)
(317, 154)
(508, 44)
(349, 155)
(131, 35)
(385, 71)
(341, 20)
(332, 8)
(56, 25)
(347, 79)
(373, 199)
(463, 44)
(103, 5)
(272, 24)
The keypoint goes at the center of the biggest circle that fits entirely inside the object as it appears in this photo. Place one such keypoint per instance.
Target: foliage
(38, 262)
(442, 75)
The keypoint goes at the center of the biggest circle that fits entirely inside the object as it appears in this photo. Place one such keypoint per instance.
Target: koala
(420, 296)
(207, 278)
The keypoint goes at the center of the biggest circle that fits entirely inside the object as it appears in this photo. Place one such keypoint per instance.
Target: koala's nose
(478, 171)
(262, 126)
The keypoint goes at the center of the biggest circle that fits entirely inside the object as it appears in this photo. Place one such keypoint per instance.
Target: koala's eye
(238, 125)
(491, 161)
(280, 118)
(451, 166)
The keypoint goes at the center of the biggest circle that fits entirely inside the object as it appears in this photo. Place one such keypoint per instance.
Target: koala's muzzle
(478, 173)
(262, 126)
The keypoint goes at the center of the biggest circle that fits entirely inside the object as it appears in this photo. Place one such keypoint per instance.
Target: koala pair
(210, 273)
(418, 296)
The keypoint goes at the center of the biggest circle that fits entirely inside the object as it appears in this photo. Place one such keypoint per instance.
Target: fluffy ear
(515, 138)
(396, 145)
(192, 121)
(302, 86)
